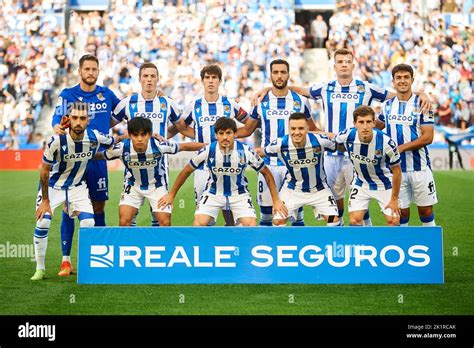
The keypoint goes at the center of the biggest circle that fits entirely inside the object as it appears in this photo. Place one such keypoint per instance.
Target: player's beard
(87, 81)
(78, 132)
(282, 86)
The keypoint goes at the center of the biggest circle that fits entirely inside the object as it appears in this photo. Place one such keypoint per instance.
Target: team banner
(260, 255)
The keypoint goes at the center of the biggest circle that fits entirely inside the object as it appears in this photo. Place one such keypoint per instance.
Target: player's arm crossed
(426, 138)
(45, 206)
(393, 158)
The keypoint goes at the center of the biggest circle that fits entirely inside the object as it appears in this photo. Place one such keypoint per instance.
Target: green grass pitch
(57, 295)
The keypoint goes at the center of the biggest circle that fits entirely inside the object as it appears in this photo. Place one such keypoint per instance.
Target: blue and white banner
(312, 255)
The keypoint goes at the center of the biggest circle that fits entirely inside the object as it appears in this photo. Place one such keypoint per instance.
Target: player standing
(226, 159)
(272, 114)
(305, 184)
(101, 101)
(372, 152)
(62, 177)
(412, 130)
(161, 110)
(202, 113)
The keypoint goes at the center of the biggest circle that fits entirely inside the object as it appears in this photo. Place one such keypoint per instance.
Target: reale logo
(102, 256)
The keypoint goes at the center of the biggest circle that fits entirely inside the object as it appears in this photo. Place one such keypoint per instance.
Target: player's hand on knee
(43, 208)
(165, 201)
(394, 207)
(280, 207)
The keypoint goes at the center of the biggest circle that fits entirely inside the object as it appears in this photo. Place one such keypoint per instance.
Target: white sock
(41, 244)
(404, 225)
(67, 258)
(431, 223)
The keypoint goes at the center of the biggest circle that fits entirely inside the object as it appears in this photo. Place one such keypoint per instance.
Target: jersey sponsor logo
(142, 164)
(208, 119)
(362, 159)
(304, 162)
(278, 114)
(97, 108)
(345, 97)
(227, 170)
(150, 115)
(401, 119)
(80, 156)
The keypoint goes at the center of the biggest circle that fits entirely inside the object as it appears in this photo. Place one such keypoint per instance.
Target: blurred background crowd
(40, 48)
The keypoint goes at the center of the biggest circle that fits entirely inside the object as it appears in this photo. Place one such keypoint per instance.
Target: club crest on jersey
(227, 108)
(297, 104)
(100, 96)
(163, 105)
(360, 88)
(378, 153)
(93, 145)
(317, 150)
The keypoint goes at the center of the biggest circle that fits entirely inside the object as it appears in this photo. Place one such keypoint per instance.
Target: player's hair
(145, 66)
(224, 123)
(279, 61)
(138, 124)
(343, 52)
(402, 67)
(88, 57)
(81, 106)
(212, 69)
(297, 116)
(363, 110)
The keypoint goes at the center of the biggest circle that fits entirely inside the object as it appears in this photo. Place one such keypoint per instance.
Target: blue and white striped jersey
(202, 115)
(339, 102)
(371, 161)
(273, 113)
(69, 158)
(160, 110)
(403, 121)
(146, 169)
(305, 165)
(227, 171)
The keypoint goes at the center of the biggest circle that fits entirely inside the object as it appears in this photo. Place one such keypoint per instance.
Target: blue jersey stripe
(156, 170)
(343, 111)
(301, 153)
(164, 110)
(399, 128)
(416, 153)
(143, 172)
(364, 150)
(212, 155)
(378, 169)
(330, 106)
(320, 166)
(62, 164)
(241, 180)
(78, 148)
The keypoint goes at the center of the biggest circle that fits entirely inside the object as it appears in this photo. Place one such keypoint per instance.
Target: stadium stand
(38, 51)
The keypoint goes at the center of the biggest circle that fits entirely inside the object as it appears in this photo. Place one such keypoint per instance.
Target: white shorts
(418, 187)
(240, 205)
(264, 198)
(76, 198)
(322, 202)
(339, 174)
(359, 199)
(134, 197)
(201, 176)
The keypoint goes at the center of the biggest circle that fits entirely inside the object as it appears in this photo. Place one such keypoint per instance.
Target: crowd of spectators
(243, 37)
(439, 45)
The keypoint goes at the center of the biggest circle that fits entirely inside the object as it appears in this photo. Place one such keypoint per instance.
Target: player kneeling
(305, 183)
(62, 181)
(372, 152)
(145, 172)
(226, 160)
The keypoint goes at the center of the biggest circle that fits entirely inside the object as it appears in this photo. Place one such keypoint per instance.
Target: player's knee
(405, 213)
(44, 223)
(87, 223)
(98, 207)
(355, 220)
(125, 221)
(248, 222)
(279, 222)
(425, 211)
(395, 222)
(164, 221)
